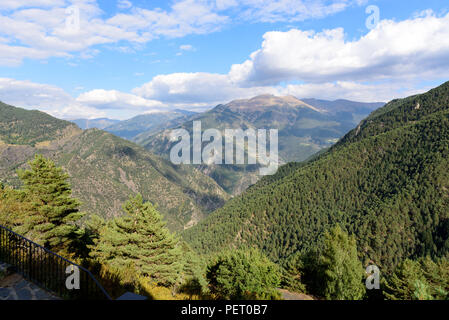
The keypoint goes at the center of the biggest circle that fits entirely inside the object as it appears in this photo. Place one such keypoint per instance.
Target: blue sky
(88, 58)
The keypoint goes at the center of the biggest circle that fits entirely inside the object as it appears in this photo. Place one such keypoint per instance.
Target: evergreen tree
(421, 291)
(194, 272)
(423, 279)
(293, 273)
(54, 213)
(139, 241)
(342, 272)
(13, 206)
(243, 274)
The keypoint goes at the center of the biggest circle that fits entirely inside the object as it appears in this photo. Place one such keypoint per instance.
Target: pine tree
(52, 219)
(401, 284)
(13, 206)
(422, 279)
(243, 274)
(139, 241)
(422, 291)
(342, 271)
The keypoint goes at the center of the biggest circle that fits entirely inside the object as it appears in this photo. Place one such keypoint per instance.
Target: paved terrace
(14, 287)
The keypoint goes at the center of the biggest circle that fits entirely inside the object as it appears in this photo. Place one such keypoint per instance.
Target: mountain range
(303, 130)
(138, 127)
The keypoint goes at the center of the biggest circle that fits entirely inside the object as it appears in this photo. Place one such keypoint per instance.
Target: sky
(120, 58)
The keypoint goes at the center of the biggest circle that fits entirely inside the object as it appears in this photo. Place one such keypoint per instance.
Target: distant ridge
(268, 100)
(99, 123)
(343, 105)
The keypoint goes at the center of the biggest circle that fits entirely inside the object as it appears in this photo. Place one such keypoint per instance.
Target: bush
(243, 274)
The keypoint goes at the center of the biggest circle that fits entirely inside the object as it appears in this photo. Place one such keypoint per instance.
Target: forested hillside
(24, 127)
(386, 181)
(105, 169)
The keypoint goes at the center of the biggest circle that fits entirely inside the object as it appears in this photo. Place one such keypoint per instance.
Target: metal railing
(48, 269)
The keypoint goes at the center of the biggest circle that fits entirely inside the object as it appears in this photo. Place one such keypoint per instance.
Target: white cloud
(189, 91)
(410, 49)
(197, 89)
(288, 10)
(124, 4)
(32, 30)
(201, 90)
(15, 4)
(57, 102)
(363, 92)
(389, 62)
(113, 99)
(186, 47)
(44, 97)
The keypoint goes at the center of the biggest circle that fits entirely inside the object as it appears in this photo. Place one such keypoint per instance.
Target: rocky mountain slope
(105, 169)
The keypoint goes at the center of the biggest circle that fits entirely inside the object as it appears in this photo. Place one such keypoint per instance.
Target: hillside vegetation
(386, 181)
(24, 127)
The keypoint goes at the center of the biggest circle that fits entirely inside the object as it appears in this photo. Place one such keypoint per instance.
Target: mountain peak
(268, 100)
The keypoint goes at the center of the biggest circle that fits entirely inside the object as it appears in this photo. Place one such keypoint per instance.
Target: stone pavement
(15, 287)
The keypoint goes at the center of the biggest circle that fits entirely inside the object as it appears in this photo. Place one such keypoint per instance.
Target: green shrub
(243, 274)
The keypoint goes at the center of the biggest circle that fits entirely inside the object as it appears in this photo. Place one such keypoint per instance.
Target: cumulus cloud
(124, 4)
(414, 48)
(40, 33)
(15, 4)
(202, 90)
(43, 29)
(390, 61)
(350, 90)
